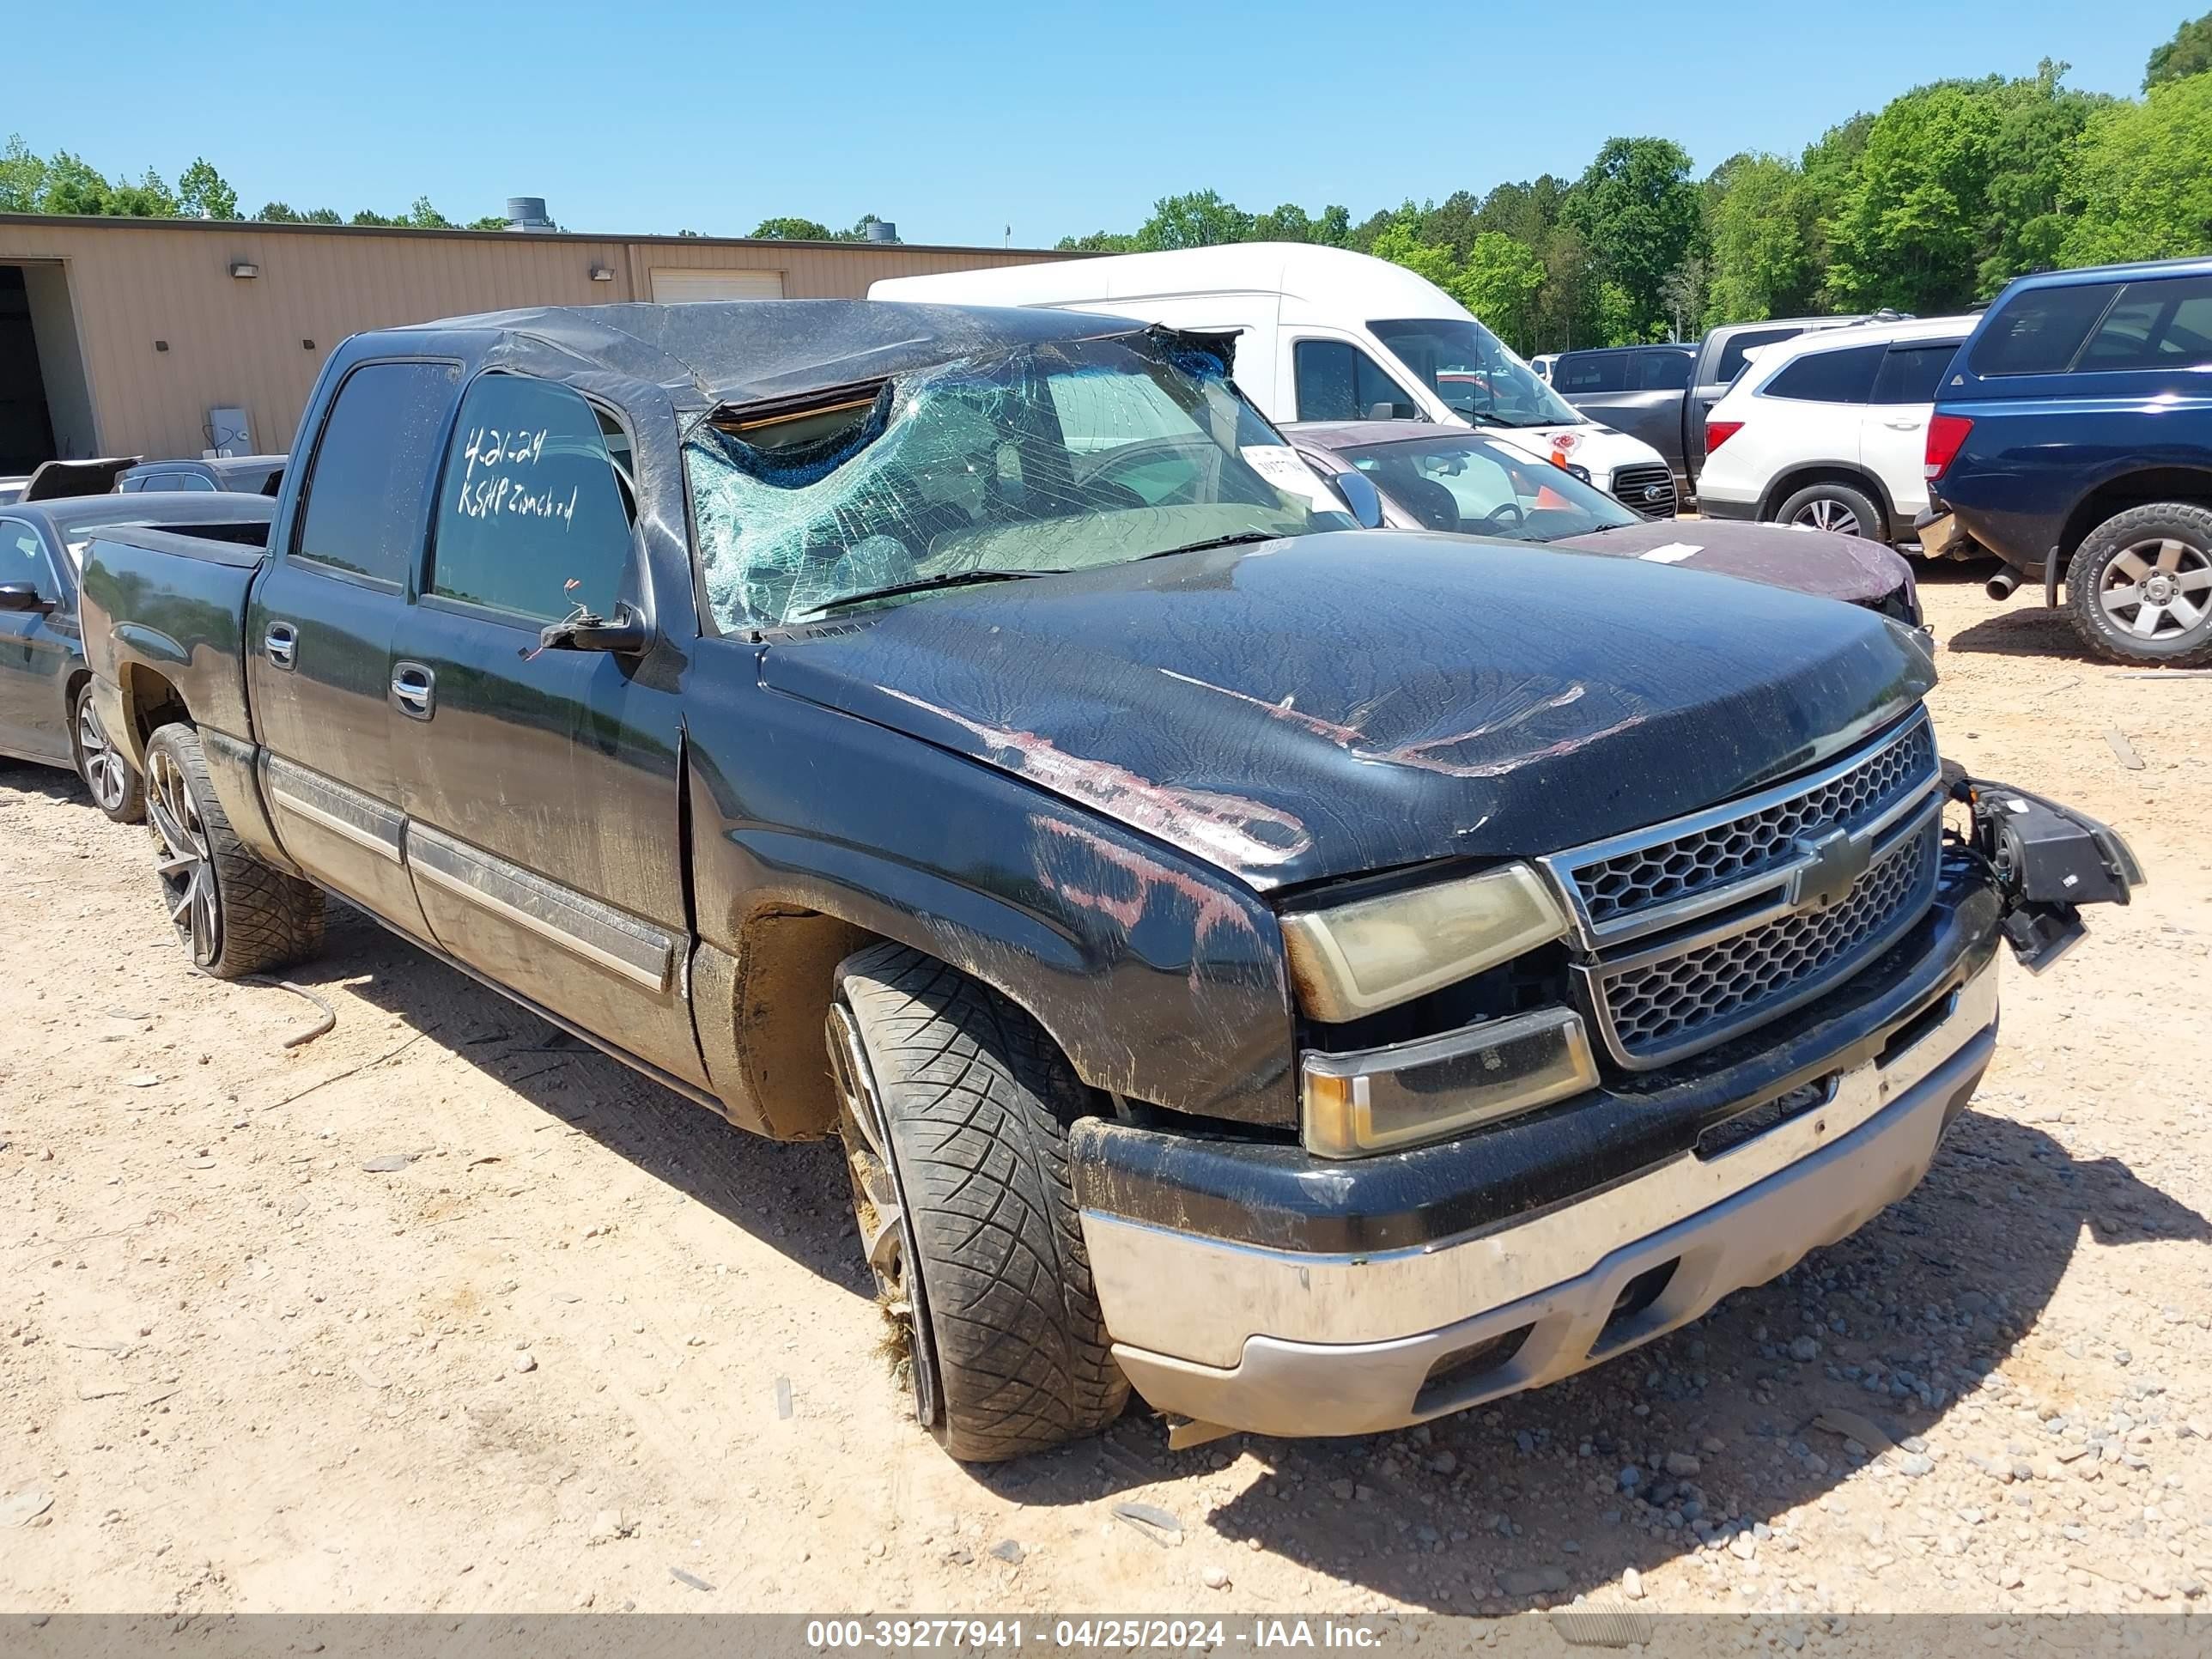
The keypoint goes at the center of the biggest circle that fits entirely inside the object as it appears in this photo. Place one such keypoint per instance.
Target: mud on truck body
(1266, 962)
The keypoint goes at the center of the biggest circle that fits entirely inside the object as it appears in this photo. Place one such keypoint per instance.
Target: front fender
(1159, 977)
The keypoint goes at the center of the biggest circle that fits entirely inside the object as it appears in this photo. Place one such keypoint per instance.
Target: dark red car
(1453, 479)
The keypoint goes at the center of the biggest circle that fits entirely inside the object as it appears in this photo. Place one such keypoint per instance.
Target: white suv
(1830, 429)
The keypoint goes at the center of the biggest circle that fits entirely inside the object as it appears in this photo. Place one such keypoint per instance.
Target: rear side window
(1663, 371)
(1828, 377)
(368, 488)
(1732, 350)
(2157, 325)
(534, 514)
(1608, 373)
(1912, 373)
(1341, 382)
(131, 485)
(181, 481)
(2039, 332)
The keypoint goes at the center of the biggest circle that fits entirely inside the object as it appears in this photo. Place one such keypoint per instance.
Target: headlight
(1371, 954)
(1382, 1099)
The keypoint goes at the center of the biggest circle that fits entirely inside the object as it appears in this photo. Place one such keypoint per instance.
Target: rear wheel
(1836, 506)
(953, 1109)
(117, 789)
(234, 915)
(2140, 586)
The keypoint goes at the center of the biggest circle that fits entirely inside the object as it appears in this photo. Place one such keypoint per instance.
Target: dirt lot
(443, 1311)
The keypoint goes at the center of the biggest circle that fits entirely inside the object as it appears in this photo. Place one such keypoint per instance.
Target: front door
(543, 788)
(318, 634)
(38, 649)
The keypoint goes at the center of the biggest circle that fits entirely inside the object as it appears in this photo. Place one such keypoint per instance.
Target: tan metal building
(161, 337)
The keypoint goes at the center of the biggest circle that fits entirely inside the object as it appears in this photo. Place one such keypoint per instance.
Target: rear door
(37, 649)
(543, 788)
(319, 625)
(1893, 432)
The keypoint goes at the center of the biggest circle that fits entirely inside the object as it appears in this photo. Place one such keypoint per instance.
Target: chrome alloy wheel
(1823, 513)
(106, 774)
(185, 863)
(2159, 589)
(879, 1207)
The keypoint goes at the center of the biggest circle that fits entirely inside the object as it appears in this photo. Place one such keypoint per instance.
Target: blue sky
(957, 121)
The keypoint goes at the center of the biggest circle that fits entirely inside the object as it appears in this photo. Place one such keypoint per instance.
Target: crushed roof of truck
(715, 354)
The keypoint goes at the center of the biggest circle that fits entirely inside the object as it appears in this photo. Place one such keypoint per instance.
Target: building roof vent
(882, 230)
(527, 213)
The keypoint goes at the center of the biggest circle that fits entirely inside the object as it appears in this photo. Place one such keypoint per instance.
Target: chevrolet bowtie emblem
(1834, 864)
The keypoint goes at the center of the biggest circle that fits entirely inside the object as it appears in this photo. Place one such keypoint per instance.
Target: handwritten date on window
(498, 483)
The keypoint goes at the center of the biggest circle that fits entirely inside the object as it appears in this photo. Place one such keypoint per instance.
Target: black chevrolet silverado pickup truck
(1271, 964)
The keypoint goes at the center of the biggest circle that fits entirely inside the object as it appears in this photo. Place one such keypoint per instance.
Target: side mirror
(1361, 495)
(626, 634)
(1383, 411)
(24, 597)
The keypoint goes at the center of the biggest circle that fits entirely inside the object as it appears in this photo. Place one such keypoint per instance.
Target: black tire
(234, 915)
(1008, 1347)
(117, 789)
(1835, 503)
(2099, 578)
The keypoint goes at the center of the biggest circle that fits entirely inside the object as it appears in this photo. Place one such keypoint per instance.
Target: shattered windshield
(1470, 368)
(1061, 456)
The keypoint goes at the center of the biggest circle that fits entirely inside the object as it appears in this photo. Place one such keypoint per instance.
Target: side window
(1827, 377)
(534, 514)
(1732, 350)
(2157, 325)
(23, 558)
(369, 484)
(1592, 373)
(1913, 374)
(1665, 371)
(132, 482)
(1341, 382)
(2039, 332)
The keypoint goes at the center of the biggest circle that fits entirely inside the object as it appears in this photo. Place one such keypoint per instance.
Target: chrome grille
(1665, 866)
(1648, 490)
(1656, 1010)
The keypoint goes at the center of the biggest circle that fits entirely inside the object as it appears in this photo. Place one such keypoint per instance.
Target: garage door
(673, 286)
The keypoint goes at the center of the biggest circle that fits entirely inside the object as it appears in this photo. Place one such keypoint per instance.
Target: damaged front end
(2050, 861)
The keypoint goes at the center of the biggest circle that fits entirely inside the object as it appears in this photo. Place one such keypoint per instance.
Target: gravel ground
(442, 1311)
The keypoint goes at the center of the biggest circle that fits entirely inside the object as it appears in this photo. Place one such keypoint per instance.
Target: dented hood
(1339, 703)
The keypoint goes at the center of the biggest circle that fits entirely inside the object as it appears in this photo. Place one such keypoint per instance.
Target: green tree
(1637, 211)
(1099, 241)
(325, 216)
(1197, 219)
(423, 216)
(2189, 52)
(1287, 224)
(22, 178)
(2137, 185)
(1498, 281)
(1759, 226)
(150, 199)
(202, 192)
(72, 185)
(1400, 243)
(792, 230)
(280, 213)
(488, 221)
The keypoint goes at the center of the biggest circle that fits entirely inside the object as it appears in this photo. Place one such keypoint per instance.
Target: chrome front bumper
(1292, 1343)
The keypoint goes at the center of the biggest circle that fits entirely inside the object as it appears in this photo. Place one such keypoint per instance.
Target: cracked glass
(1059, 457)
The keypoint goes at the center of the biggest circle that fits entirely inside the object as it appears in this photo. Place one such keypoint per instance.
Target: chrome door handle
(414, 690)
(281, 644)
(1902, 426)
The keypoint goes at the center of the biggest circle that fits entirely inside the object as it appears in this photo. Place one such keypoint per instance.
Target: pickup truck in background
(1240, 956)
(1657, 401)
(2073, 439)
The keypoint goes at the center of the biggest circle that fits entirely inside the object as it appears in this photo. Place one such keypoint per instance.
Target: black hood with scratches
(1340, 703)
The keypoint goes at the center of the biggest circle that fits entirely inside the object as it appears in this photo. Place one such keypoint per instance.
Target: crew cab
(2073, 439)
(1239, 955)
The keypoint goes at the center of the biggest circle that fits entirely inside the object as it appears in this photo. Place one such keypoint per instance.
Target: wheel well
(2162, 483)
(150, 702)
(1830, 472)
(761, 1014)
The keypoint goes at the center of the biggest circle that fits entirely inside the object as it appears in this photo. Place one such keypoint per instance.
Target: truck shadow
(2024, 627)
(792, 1197)
(1521, 1502)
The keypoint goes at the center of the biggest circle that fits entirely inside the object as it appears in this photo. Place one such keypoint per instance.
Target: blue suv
(2072, 437)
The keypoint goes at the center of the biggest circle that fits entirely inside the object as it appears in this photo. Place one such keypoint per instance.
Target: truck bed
(184, 594)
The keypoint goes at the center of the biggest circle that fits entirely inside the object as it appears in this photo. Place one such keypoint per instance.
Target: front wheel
(2140, 586)
(953, 1109)
(234, 915)
(117, 789)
